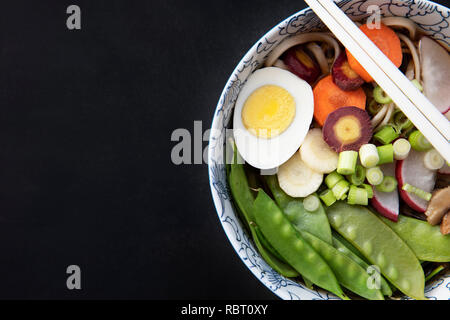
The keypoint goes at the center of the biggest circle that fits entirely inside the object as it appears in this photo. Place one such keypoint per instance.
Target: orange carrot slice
(386, 40)
(329, 97)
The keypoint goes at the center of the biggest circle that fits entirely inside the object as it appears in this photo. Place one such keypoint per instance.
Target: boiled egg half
(272, 116)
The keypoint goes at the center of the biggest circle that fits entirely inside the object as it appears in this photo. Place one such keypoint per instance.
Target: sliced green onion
(417, 84)
(327, 197)
(380, 96)
(401, 148)
(357, 196)
(418, 192)
(418, 141)
(374, 107)
(340, 189)
(332, 179)
(386, 154)
(374, 176)
(347, 162)
(311, 203)
(433, 160)
(357, 178)
(401, 122)
(368, 155)
(369, 190)
(386, 135)
(387, 185)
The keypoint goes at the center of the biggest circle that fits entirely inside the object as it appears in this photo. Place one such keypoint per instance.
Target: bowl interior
(432, 19)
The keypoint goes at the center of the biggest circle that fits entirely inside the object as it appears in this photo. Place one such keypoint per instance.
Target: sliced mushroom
(438, 206)
(445, 224)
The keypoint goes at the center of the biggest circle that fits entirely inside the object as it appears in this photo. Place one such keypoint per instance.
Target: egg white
(270, 153)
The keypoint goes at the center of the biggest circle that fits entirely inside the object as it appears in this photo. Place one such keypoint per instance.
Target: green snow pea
(380, 245)
(244, 201)
(349, 273)
(288, 242)
(344, 248)
(265, 243)
(427, 242)
(315, 222)
(276, 264)
(348, 245)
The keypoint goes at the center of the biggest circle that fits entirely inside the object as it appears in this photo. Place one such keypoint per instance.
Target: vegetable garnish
(340, 189)
(388, 184)
(386, 135)
(368, 155)
(311, 203)
(327, 197)
(358, 196)
(419, 142)
(433, 160)
(401, 148)
(300, 64)
(386, 40)
(333, 178)
(343, 75)
(380, 96)
(417, 191)
(329, 97)
(386, 154)
(347, 128)
(374, 176)
(347, 162)
(357, 178)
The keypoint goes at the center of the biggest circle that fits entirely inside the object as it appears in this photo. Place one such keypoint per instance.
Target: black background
(86, 118)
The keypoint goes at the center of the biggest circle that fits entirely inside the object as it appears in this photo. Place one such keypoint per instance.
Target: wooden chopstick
(434, 126)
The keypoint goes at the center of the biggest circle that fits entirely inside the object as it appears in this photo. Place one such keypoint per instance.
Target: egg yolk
(268, 111)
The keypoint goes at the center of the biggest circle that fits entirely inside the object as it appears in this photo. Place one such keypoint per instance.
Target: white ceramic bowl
(432, 18)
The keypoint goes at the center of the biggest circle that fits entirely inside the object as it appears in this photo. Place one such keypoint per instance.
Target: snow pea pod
(244, 200)
(349, 273)
(427, 242)
(348, 245)
(380, 245)
(315, 222)
(265, 243)
(292, 246)
(343, 248)
(276, 264)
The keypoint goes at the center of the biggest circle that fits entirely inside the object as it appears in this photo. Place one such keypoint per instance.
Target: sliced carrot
(386, 40)
(329, 97)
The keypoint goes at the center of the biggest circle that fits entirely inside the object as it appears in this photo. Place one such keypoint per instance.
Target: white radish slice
(386, 203)
(435, 63)
(413, 171)
(316, 153)
(297, 179)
